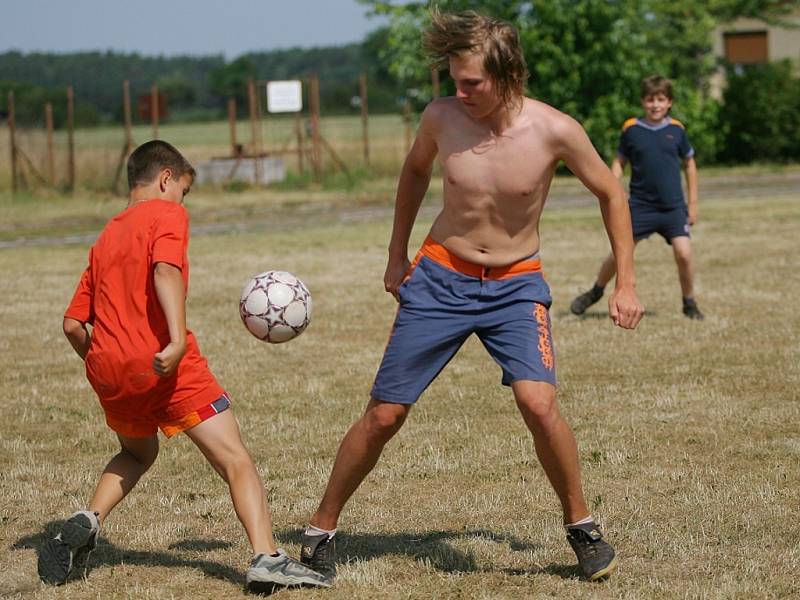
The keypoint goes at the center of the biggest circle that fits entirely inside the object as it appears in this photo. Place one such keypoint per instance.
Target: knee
(540, 410)
(231, 465)
(384, 420)
(144, 458)
(683, 255)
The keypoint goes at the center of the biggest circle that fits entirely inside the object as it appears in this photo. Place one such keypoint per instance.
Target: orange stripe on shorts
(442, 256)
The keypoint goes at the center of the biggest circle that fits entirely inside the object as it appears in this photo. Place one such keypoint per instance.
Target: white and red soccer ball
(275, 306)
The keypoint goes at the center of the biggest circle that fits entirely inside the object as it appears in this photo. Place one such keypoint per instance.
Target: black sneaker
(317, 552)
(596, 557)
(267, 574)
(690, 310)
(69, 551)
(585, 300)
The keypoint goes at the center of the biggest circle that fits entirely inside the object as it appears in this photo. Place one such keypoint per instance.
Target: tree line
(196, 87)
(586, 57)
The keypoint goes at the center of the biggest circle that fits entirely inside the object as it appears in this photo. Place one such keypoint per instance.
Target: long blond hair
(455, 34)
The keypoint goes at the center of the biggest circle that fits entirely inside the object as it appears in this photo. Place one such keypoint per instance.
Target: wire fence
(311, 145)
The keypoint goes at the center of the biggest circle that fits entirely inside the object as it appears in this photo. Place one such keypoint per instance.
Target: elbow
(163, 269)
(71, 327)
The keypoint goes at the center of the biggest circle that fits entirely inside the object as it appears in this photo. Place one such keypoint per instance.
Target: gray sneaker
(268, 574)
(69, 551)
(585, 300)
(316, 551)
(596, 557)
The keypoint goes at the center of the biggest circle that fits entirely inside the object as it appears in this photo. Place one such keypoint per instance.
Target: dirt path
(565, 193)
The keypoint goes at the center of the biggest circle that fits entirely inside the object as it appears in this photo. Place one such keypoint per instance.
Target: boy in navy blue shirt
(656, 147)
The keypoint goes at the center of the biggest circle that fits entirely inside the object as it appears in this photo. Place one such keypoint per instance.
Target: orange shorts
(146, 426)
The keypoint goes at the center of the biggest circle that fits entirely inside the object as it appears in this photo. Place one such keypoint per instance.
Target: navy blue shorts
(669, 223)
(447, 299)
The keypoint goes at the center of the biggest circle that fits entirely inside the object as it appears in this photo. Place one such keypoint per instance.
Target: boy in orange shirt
(148, 373)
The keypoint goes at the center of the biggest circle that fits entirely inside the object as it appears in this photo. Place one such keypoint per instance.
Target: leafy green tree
(756, 134)
(29, 102)
(230, 80)
(179, 90)
(587, 57)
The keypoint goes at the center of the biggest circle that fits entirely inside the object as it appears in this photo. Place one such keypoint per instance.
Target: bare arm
(415, 177)
(172, 297)
(618, 166)
(78, 336)
(582, 159)
(690, 171)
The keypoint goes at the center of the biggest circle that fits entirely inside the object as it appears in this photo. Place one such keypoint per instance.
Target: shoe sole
(604, 573)
(57, 556)
(259, 586)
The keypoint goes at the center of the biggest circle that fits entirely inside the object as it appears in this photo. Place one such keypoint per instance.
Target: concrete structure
(225, 170)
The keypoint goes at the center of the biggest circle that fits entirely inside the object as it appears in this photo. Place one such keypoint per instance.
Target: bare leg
(357, 455)
(607, 271)
(682, 250)
(123, 472)
(219, 440)
(555, 444)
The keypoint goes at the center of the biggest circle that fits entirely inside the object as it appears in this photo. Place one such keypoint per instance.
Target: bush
(701, 115)
(761, 114)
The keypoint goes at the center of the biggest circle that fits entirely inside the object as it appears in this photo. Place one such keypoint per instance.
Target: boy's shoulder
(629, 123)
(636, 121)
(144, 215)
(154, 210)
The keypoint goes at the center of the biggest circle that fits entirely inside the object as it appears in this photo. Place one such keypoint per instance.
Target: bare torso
(495, 185)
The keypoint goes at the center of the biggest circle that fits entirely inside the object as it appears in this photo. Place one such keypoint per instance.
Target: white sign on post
(284, 96)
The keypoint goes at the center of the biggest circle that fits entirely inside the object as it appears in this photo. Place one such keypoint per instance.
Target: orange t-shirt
(117, 296)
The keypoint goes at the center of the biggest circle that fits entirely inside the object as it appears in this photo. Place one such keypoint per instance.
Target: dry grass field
(689, 432)
(97, 149)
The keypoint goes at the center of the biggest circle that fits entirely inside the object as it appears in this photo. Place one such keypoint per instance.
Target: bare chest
(514, 165)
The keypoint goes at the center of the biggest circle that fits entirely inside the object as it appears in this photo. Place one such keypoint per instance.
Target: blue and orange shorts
(445, 300)
(148, 425)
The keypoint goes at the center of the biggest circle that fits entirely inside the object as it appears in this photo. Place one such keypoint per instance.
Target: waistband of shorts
(442, 256)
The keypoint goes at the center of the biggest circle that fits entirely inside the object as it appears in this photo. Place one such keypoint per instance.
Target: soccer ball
(275, 306)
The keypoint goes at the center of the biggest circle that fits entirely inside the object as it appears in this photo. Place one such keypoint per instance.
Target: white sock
(589, 519)
(311, 530)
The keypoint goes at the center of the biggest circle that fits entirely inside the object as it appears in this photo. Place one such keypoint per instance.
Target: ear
(163, 179)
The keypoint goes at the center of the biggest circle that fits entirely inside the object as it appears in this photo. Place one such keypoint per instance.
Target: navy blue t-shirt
(656, 153)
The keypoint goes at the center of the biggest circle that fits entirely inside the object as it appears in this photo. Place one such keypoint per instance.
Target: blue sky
(169, 27)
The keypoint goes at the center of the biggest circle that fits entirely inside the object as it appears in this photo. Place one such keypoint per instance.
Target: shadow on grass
(432, 548)
(107, 554)
(194, 545)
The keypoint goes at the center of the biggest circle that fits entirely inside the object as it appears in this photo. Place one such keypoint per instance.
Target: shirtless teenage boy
(479, 270)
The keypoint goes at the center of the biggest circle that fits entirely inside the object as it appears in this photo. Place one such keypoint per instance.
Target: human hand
(395, 276)
(692, 215)
(624, 308)
(166, 362)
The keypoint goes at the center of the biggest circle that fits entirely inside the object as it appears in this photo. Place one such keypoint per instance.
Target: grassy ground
(689, 432)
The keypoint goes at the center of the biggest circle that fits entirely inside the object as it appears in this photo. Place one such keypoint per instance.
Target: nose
(461, 94)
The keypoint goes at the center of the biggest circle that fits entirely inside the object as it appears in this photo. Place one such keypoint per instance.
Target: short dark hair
(656, 84)
(149, 159)
(456, 34)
